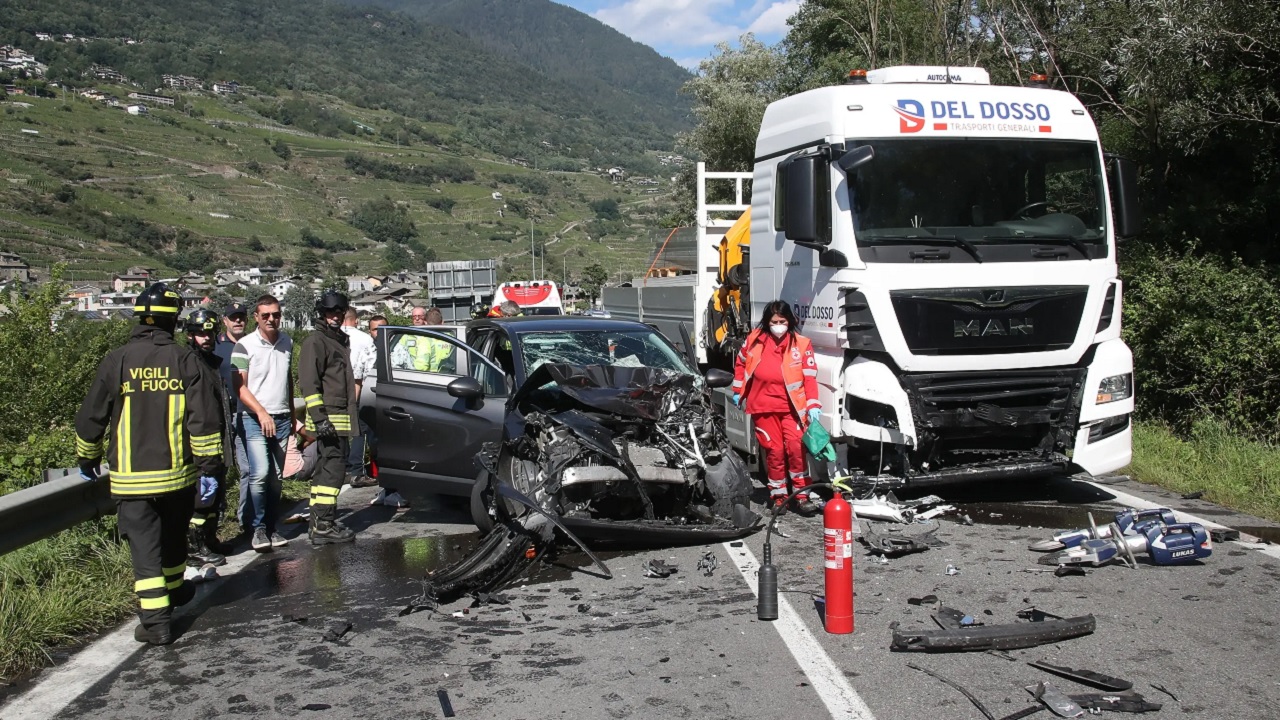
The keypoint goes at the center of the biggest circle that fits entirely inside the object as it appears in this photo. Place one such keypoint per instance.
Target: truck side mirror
(806, 212)
(1123, 178)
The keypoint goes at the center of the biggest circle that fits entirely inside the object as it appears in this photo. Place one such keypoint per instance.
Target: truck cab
(950, 248)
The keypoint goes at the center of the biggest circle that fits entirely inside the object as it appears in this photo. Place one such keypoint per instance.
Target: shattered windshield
(617, 348)
(989, 189)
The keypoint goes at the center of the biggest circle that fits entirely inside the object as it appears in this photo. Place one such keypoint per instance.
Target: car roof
(557, 323)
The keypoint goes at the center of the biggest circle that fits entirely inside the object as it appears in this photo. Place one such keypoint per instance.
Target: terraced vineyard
(72, 164)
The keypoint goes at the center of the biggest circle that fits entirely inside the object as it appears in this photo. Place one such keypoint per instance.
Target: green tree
(297, 305)
(594, 276)
(308, 264)
(281, 149)
(41, 383)
(384, 221)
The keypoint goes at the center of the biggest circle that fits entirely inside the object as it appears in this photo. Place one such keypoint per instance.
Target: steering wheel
(1021, 212)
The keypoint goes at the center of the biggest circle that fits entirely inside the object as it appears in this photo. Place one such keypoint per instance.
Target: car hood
(640, 392)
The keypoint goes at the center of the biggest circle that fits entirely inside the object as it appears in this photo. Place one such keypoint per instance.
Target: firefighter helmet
(202, 320)
(329, 301)
(158, 305)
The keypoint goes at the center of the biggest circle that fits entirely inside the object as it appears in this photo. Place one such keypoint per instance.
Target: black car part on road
(992, 637)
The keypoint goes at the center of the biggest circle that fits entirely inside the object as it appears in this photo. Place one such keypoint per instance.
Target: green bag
(818, 442)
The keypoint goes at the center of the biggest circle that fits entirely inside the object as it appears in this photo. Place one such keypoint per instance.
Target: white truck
(950, 248)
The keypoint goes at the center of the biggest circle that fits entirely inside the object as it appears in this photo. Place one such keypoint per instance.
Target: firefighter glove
(208, 490)
(326, 431)
(88, 471)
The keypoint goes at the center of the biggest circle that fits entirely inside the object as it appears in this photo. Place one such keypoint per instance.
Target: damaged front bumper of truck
(617, 454)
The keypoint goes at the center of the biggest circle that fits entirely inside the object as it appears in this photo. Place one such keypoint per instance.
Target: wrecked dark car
(598, 427)
(621, 453)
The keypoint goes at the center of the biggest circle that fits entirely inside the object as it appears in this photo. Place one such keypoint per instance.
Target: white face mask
(778, 330)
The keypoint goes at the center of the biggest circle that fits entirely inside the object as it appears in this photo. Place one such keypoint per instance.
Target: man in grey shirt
(264, 386)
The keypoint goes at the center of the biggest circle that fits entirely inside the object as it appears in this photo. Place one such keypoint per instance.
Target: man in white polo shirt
(264, 386)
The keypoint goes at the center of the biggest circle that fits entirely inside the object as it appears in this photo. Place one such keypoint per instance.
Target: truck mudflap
(992, 637)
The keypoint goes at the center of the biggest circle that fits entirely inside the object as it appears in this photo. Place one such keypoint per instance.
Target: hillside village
(454, 287)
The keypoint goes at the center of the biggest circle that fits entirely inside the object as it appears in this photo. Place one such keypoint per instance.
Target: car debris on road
(957, 635)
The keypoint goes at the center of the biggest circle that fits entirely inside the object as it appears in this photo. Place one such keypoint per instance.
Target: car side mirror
(718, 378)
(466, 388)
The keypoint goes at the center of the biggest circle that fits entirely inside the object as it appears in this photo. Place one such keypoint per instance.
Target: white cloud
(672, 22)
(773, 19)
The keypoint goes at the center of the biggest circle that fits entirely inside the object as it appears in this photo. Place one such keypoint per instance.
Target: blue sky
(688, 30)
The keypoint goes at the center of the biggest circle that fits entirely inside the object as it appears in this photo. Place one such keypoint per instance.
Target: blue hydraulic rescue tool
(1154, 533)
(1126, 520)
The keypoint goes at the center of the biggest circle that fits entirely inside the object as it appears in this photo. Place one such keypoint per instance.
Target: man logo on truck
(910, 116)
(977, 328)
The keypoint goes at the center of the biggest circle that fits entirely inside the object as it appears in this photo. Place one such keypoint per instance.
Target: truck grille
(1013, 399)
(978, 321)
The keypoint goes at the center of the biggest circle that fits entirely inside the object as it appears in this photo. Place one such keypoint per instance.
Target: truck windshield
(979, 189)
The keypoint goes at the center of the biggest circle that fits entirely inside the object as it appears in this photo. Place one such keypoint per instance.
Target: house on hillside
(152, 99)
(135, 279)
(226, 88)
(136, 109)
(12, 268)
(281, 287)
(103, 72)
(182, 82)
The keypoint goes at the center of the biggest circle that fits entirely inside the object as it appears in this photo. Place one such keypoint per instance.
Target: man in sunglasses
(264, 386)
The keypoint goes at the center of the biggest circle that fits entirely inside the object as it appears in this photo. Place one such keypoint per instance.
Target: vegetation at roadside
(1213, 457)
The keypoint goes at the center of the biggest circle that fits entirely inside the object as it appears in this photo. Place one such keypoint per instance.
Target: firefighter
(328, 388)
(775, 380)
(202, 537)
(165, 419)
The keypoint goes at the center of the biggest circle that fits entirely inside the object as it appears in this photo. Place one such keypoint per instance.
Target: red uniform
(778, 380)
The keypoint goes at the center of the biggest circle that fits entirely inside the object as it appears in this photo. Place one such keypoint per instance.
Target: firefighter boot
(324, 532)
(154, 635)
(199, 553)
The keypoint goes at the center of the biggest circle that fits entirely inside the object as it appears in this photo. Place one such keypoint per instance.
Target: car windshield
(989, 189)
(619, 348)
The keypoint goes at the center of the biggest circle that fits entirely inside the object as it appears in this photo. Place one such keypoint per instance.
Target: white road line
(1142, 503)
(57, 688)
(842, 701)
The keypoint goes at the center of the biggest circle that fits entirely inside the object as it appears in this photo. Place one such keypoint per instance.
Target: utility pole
(533, 257)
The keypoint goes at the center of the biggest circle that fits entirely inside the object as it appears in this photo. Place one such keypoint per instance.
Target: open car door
(438, 400)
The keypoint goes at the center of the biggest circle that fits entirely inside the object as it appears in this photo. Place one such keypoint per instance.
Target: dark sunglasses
(269, 316)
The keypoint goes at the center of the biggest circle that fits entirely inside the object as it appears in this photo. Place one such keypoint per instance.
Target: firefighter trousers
(156, 528)
(779, 435)
(326, 482)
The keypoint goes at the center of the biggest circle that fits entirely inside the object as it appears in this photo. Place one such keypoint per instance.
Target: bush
(1205, 334)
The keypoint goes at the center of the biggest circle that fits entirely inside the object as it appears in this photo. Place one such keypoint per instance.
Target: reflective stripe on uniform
(177, 413)
(86, 449)
(794, 386)
(809, 373)
(153, 310)
(314, 401)
(324, 495)
(815, 403)
(123, 432)
(207, 445)
(154, 603)
(152, 483)
(197, 521)
(174, 576)
(155, 583)
(777, 488)
(737, 384)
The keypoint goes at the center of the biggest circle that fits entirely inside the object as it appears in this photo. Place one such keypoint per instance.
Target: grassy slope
(1232, 471)
(188, 172)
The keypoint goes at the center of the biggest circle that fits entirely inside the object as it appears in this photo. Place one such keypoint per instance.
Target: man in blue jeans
(264, 386)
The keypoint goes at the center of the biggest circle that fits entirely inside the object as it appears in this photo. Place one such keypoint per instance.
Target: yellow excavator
(729, 310)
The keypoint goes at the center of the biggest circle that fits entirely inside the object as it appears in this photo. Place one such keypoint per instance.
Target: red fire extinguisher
(837, 529)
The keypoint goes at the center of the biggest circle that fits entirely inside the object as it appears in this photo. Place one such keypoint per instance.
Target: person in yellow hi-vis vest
(165, 417)
(424, 354)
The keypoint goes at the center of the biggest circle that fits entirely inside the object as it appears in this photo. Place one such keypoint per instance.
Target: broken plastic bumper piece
(992, 637)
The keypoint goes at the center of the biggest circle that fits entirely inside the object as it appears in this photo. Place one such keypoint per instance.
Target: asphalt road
(573, 644)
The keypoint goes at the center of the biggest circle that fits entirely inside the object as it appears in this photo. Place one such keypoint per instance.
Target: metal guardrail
(61, 502)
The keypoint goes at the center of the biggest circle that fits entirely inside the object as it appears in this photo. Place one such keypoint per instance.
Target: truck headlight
(1114, 388)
